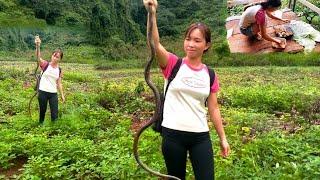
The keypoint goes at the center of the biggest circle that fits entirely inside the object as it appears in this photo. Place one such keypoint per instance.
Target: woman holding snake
(50, 82)
(184, 127)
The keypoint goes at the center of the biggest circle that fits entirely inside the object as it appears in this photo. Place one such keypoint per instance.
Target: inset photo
(255, 26)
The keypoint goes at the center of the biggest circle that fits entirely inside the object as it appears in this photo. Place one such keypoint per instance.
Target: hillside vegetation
(113, 29)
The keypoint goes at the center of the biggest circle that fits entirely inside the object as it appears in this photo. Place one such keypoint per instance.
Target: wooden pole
(294, 5)
(289, 5)
(310, 6)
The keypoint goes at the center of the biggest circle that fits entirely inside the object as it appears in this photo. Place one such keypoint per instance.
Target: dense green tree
(113, 20)
(48, 10)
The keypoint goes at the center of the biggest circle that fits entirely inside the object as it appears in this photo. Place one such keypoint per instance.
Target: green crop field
(271, 117)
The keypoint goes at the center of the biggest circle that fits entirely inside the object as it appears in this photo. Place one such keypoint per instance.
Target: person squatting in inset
(185, 128)
(50, 83)
(253, 21)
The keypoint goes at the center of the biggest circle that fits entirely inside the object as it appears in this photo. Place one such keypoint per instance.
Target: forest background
(100, 31)
(111, 33)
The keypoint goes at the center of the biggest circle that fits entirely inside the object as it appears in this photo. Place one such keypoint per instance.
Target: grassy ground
(271, 117)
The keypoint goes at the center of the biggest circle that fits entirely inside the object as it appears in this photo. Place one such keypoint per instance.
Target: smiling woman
(50, 82)
(185, 127)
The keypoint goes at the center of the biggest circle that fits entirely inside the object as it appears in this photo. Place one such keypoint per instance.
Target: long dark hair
(271, 3)
(58, 51)
(266, 4)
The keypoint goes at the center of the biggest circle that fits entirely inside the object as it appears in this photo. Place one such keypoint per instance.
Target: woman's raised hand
(37, 40)
(151, 5)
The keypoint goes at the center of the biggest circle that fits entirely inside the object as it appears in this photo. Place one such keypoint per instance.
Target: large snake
(37, 77)
(157, 99)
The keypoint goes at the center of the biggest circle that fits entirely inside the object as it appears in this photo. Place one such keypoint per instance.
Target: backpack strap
(46, 67)
(212, 76)
(60, 72)
(173, 74)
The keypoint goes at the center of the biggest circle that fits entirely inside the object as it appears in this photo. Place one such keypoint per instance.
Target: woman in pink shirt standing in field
(253, 21)
(185, 127)
(50, 83)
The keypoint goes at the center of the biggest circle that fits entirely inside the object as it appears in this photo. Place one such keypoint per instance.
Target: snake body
(157, 101)
(37, 77)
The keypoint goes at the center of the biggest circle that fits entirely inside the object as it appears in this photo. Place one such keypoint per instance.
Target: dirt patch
(27, 84)
(10, 112)
(312, 114)
(15, 169)
(137, 125)
(139, 119)
(148, 97)
(290, 127)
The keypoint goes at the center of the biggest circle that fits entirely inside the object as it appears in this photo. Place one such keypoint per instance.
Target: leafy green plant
(91, 141)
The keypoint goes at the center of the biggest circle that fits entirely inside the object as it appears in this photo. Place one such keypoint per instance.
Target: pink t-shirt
(184, 106)
(44, 64)
(261, 17)
(173, 60)
(48, 81)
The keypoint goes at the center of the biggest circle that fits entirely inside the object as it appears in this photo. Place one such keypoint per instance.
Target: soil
(15, 169)
(137, 123)
(142, 117)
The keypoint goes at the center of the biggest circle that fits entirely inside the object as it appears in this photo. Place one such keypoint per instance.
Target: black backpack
(157, 124)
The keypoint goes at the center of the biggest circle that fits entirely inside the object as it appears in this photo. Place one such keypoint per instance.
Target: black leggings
(43, 98)
(176, 144)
